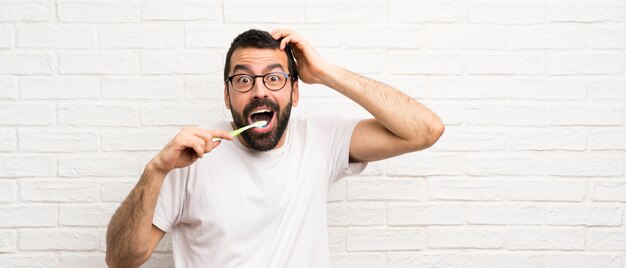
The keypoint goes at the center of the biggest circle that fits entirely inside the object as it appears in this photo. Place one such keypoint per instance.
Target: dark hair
(260, 39)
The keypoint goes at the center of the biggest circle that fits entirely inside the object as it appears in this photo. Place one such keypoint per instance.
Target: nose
(259, 91)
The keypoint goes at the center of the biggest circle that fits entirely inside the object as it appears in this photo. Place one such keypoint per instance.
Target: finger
(198, 149)
(285, 41)
(220, 134)
(278, 33)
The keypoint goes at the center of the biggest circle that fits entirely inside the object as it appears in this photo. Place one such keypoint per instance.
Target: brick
(143, 88)
(544, 238)
(97, 115)
(408, 62)
(115, 190)
(337, 191)
(575, 260)
(608, 191)
(99, 165)
(578, 64)
(82, 259)
(205, 87)
(137, 140)
(260, 12)
(26, 114)
(588, 165)
(9, 88)
(407, 11)
(358, 260)
(58, 239)
(8, 241)
(386, 37)
(496, 165)
(464, 189)
(547, 140)
(465, 238)
(406, 214)
(101, 63)
(370, 11)
(182, 63)
(584, 115)
(55, 36)
(573, 190)
(27, 10)
(322, 35)
(7, 34)
(506, 214)
(546, 89)
(21, 63)
(159, 260)
(608, 38)
(414, 86)
(8, 191)
(378, 239)
(584, 215)
(606, 239)
(21, 215)
(213, 36)
(57, 141)
(419, 164)
(424, 259)
(362, 61)
(468, 88)
(86, 215)
(470, 141)
(509, 12)
(59, 190)
(466, 37)
(59, 88)
(24, 165)
(178, 115)
(502, 114)
(607, 140)
(585, 11)
(373, 188)
(375, 168)
(337, 239)
(186, 10)
(498, 64)
(545, 37)
(98, 11)
(34, 260)
(356, 214)
(8, 140)
(609, 89)
(141, 37)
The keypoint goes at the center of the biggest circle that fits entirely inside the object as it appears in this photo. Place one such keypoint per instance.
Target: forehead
(258, 59)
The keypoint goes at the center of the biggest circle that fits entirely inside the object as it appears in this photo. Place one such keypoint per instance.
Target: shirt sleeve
(337, 133)
(170, 203)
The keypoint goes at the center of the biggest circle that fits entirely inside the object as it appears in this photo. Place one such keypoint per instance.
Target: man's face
(260, 103)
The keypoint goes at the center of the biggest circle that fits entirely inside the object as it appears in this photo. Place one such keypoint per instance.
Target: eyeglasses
(245, 82)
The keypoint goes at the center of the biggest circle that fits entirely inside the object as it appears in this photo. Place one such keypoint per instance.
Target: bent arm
(400, 125)
(131, 237)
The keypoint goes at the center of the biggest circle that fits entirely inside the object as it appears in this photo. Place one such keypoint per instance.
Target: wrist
(153, 167)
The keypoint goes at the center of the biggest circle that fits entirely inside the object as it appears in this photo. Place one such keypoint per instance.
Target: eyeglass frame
(254, 77)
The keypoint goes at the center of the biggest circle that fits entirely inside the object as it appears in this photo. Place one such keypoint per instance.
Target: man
(260, 200)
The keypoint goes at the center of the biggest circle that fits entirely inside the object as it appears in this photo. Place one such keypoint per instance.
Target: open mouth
(262, 114)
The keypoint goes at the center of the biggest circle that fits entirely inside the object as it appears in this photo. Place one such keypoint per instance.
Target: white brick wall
(531, 171)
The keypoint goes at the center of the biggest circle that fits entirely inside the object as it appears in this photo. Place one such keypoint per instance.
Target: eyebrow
(246, 68)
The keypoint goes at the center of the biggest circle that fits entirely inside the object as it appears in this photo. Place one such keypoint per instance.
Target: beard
(263, 141)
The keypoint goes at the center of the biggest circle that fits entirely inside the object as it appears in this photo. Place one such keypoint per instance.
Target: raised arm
(400, 124)
(131, 237)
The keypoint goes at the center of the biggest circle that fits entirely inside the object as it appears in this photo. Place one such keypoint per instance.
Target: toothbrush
(234, 133)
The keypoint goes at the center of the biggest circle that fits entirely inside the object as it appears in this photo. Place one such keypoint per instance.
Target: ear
(295, 94)
(226, 97)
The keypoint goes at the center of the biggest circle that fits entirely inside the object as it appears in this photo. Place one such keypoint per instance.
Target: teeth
(262, 111)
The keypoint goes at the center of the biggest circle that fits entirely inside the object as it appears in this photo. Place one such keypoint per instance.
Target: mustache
(260, 103)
